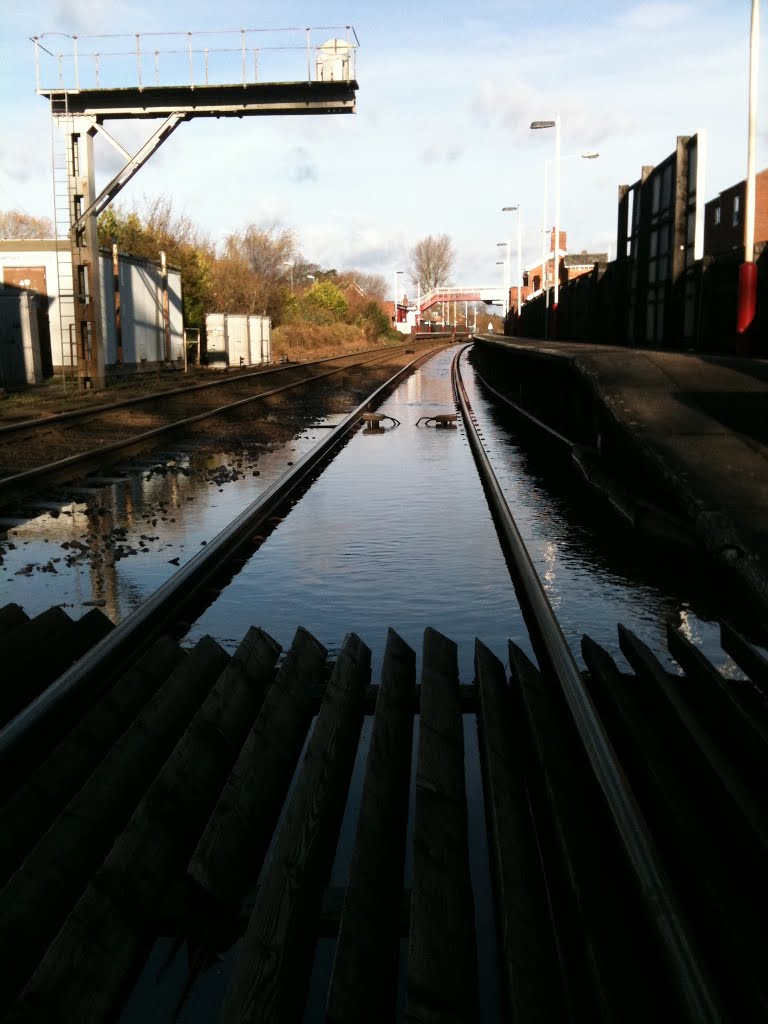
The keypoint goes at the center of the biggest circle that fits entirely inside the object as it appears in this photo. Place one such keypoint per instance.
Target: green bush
(325, 303)
(375, 321)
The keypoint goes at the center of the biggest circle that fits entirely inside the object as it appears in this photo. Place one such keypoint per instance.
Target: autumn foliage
(16, 224)
(258, 269)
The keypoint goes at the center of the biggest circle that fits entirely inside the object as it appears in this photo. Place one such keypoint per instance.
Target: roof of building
(19, 246)
(726, 192)
(584, 259)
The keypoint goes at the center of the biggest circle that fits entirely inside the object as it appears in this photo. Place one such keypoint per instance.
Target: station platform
(699, 424)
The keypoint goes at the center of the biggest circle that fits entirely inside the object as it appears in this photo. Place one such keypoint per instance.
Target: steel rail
(666, 916)
(51, 468)
(94, 672)
(97, 410)
(528, 417)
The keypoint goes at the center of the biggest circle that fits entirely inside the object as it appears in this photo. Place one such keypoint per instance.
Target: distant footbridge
(473, 293)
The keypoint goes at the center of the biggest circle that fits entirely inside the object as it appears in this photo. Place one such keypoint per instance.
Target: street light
(589, 155)
(513, 209)
(747, 298)
(289, 263)
(503, 263)
(506, 277)
(556, 267)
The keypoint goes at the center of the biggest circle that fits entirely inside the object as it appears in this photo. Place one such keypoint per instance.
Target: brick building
(571, 266)
(724, 217)
(575, 264)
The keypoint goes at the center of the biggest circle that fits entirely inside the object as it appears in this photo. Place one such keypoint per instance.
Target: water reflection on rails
(557, 662)
(15, 437)
(269, 838)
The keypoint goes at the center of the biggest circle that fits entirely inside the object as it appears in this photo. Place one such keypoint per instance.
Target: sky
(440, 141)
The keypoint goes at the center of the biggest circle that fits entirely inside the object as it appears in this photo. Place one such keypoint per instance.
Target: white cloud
(88, 16)
(301, 167)
(436, 153)
(655, 17)
(441, 140)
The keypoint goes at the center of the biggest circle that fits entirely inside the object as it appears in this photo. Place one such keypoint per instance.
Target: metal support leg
(84, 240)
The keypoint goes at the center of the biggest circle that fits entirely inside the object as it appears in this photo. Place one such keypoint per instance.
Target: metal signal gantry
(190, 79)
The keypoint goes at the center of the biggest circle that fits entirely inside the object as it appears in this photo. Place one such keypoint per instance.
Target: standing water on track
(397, 532)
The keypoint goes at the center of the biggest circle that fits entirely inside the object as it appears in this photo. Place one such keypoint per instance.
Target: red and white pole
(747, 296)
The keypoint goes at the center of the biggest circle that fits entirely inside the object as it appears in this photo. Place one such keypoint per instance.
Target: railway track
(91, 439)
(625, 831)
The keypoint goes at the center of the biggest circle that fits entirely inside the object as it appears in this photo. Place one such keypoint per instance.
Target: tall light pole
(747, 300)
(556, 125)
(544, 231)
(506, 276)
(513, 209)
(555, 263)
(503, 263)
(589, 155)
(289, 263)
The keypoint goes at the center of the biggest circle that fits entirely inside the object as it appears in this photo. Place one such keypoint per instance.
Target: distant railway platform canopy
(214, 74)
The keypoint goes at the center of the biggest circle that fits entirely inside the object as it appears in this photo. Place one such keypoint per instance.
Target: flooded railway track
(584, 845)
(90, 440)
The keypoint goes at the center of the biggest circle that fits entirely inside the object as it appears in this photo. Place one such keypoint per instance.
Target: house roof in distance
(584, 259)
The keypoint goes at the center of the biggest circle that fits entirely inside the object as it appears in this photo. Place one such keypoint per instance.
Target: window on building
(717, 215)
(736, 204)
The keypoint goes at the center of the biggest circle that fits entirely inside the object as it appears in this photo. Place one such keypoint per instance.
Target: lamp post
(544, 230)
(506, 276)
(503, 263)
(516, 209)
(556, 267)
(289, 263)
(555, 263)
(747, 300)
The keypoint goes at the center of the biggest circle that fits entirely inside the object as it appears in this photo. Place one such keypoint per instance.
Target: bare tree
(368, 286)
(432, 261)
(15, 224)
(269, 252)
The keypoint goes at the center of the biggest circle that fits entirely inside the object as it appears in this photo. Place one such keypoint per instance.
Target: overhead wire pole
(747, 298)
